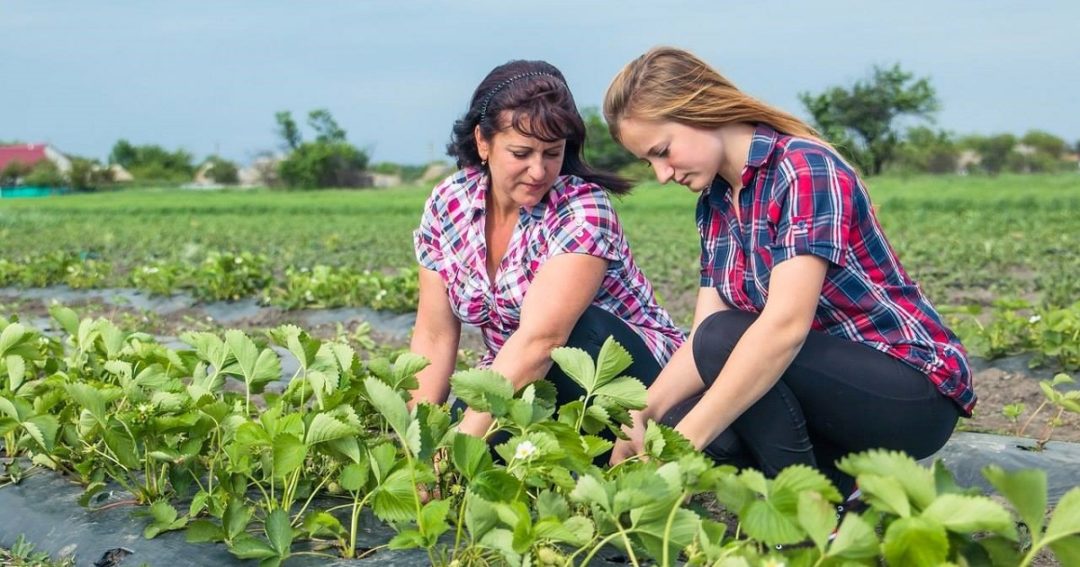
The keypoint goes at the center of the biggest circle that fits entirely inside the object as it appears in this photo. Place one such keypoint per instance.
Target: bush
(222, 171)
(323, 164)
(45, 174)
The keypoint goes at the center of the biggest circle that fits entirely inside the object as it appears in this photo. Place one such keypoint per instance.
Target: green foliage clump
(221, 170)
(328, 161)
(601, 150)
(860, 121)
(153, 163)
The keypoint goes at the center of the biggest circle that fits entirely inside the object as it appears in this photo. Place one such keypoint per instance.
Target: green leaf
(406, 367)
(550, 504)
(886, 493)
(1025, 490)
(289, 454)
(11, 336)
(162, 512)
(817, 517)
(47, 427)
(917, 481)
(591, 490)
(664, 443)
(1066, 519)
(246, 546)
(796, 479)
(407, 539)
(433, 520)
(470, 455)
(684, 527)
(970, 514)
(1067, 550)
(67, 318)
(388, 403)
(393, 500)
(483, 390)
(204, 531)
(577, 364)
(354, 476)
(16, 368)
(324, 524)
(122, 446)
(854, 540)
(279, 531)
(762, 521)
(496, 485)
(625, 391)
(237, 517)
(257, 368)
(612, 360)
(347, 446)
(9, 409)
(90, 398)
(917, 542)
(325, 428)
(480, 515)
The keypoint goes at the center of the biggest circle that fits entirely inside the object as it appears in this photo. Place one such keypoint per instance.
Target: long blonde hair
(667, 83)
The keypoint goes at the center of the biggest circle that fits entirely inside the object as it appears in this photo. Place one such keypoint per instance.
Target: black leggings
(837, 397)
(591, 330)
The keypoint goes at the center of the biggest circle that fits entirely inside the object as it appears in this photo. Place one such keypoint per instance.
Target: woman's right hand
(635, 445)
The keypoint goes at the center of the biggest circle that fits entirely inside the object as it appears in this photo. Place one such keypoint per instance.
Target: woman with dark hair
(523, 243)
(810, 341)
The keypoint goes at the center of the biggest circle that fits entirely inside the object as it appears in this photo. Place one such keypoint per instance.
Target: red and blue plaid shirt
(799, 197)
(574, 217)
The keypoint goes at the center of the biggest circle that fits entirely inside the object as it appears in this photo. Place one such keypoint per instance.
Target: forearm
(678, 381)
(524, 359)
(756, 363)
(441, 350)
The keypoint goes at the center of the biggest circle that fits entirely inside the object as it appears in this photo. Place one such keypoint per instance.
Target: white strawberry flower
(525, 450)
(1035, 319)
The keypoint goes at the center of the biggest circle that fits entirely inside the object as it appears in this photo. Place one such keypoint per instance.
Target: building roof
(28, 154)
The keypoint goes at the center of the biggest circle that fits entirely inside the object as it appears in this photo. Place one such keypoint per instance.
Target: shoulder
(456, 186)
(797, 159)
(574, 197)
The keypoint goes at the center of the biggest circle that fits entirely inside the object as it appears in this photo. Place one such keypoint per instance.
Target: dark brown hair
(540, 105)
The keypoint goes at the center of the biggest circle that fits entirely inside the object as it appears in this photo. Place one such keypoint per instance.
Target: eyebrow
(518, 148)
(654, 151)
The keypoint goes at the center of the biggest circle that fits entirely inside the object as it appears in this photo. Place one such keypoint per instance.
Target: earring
(483, 163)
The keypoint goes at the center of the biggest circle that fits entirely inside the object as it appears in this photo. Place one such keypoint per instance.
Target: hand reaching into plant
(624, 449)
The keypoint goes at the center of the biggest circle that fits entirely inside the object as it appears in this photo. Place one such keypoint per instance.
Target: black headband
(502, 85)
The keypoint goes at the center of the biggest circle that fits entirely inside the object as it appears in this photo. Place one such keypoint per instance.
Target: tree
(993, 151)
(288, 130)
(927, 151)
(153, 162)
(601, 150)
(329, 161)
(222, 170)
(87, 174)
(326, 129)
(45, 174)
(1045, 143)
(12, 173)
(861, 121)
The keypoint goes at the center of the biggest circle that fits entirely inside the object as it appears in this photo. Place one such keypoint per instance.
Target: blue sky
(208, 76)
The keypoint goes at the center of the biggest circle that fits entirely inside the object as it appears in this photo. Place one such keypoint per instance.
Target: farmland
(203, 427)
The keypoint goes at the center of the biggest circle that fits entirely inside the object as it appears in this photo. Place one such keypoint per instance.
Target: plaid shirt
(575, 217)
(798, 197)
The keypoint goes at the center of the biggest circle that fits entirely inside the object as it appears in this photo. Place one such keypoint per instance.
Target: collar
(761, 148)
(480, 181)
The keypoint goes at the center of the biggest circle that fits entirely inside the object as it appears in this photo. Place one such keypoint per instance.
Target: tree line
(865, 122)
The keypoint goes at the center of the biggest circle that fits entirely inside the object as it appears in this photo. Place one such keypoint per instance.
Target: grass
(965, 239)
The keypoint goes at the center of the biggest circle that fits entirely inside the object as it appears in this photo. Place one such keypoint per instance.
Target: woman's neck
(736, 143)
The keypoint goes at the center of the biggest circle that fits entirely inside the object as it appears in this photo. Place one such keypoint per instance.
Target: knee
(721, 330)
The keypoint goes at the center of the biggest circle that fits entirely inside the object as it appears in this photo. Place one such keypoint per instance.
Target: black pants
(591, 330)
(837, 397)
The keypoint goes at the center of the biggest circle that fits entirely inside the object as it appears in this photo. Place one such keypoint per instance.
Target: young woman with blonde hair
(809, 339)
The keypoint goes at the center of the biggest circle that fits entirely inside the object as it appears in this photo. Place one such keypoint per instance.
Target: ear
(483, 147)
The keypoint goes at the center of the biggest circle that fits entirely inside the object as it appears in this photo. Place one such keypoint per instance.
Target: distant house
(31, 154)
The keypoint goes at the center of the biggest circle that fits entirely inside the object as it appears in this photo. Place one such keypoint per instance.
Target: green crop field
(965, 239)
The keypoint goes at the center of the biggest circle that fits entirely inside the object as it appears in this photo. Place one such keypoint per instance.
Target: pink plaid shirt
(575, 217)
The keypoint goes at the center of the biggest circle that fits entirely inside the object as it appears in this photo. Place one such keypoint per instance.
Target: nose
(664, 172)
(537, 169)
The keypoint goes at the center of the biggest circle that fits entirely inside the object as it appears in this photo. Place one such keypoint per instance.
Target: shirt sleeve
(426, 238)
(813, 209)
(585, 223)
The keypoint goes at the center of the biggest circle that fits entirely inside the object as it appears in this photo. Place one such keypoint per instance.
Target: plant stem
(602, 543)
(1020, 432)
(667, 527)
